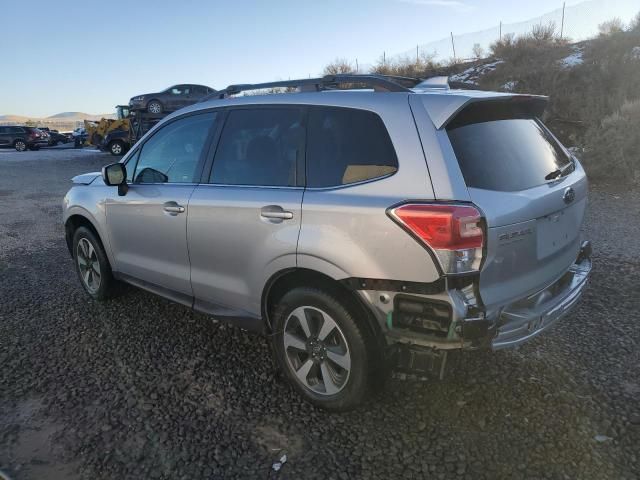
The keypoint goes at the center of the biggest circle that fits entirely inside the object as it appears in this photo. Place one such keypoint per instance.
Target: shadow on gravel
(141, 388)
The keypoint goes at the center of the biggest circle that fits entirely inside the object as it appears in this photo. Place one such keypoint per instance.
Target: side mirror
(115, 175)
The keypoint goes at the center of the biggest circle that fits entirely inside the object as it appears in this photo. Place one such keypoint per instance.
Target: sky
(85, 55)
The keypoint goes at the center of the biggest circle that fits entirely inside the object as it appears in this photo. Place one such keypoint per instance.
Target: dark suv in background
(171, 99)
(21, 138)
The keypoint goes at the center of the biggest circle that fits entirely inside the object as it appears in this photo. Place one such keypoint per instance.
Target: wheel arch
(154, 100)
(75, 221)
(284, 280)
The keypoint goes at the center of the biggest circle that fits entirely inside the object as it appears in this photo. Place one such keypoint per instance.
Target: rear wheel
(92, 265)
(322, 349)
(20, 145)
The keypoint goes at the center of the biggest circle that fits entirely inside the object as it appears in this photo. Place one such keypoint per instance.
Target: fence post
(453, 45)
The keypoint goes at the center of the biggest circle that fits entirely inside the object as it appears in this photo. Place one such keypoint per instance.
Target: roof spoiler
(442, 109)
(433, 82)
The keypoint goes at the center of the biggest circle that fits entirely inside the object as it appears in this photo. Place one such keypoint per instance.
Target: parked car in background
(358, 230)
(22, 138)
(116, 142)
(171, 99)
(55, 138)
(79, 136)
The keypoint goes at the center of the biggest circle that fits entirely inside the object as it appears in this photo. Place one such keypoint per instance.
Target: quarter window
(173, 153)
(346, 146)
(260, 147)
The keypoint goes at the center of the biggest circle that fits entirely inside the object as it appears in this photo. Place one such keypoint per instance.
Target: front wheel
(323, 349)
(33, 148)
(116, 147)
(154, 107)
(92, 265)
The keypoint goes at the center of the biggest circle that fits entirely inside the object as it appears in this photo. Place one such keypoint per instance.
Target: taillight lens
(453, 232)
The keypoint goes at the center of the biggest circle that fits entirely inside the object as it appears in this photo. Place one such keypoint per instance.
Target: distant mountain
(580, 22)
(58, 117)
(13, 118)
(72, 116)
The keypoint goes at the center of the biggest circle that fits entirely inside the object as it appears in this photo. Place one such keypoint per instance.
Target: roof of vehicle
(440, 104)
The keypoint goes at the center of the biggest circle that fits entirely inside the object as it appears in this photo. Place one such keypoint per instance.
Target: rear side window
(506, 154)
(346, 146)
(262, 146)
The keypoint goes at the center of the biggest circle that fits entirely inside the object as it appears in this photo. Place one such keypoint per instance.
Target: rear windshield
(506, 154)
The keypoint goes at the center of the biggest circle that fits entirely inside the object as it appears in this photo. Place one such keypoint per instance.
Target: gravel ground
(142, 388)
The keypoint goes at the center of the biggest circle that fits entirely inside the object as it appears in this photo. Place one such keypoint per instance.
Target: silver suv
(361, 230)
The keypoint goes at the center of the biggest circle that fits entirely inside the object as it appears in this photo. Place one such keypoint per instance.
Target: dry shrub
(406, 66)
(338, 66)
(613, 146)
(543, 42)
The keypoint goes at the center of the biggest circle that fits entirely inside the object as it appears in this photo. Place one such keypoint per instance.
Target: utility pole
(417, 55)
(357, 69)
(562, 23)
(384, 58)
(453, 45)
(500, 30)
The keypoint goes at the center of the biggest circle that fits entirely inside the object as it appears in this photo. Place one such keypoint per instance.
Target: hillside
(593, 88)
(581, 22)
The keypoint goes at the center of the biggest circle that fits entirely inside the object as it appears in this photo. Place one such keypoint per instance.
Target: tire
(33, 148)
(334, 372)
(20, 145)
(154, 106)
(116, 147)
(92, 265)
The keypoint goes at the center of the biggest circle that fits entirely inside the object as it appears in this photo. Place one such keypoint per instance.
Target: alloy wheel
(316, 350)
(21, 146)
(116, 149)
(154, 107)
(89, 265)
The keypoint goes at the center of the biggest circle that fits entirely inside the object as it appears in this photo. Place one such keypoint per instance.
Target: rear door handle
(173, 207)
(275, 212)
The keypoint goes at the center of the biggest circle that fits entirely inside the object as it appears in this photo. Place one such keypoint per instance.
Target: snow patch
(574, 59)
(472, 74)
(510, 86)
(635, 53)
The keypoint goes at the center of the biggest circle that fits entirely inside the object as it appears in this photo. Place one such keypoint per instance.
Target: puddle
(34, 453)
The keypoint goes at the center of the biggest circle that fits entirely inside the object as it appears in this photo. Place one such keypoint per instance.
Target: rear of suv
(22, 138)
(359, 230)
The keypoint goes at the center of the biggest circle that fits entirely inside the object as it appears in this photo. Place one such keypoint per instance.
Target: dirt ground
(139, 387)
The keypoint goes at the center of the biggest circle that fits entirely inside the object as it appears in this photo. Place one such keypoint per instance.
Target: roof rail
(379, 83)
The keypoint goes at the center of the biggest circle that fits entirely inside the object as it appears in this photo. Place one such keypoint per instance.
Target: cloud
(452, 4)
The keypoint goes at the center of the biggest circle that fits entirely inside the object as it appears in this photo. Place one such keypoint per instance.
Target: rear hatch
(531, 191)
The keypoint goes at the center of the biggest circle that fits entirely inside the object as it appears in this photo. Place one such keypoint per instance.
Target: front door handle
(173, 208)
(275, 212)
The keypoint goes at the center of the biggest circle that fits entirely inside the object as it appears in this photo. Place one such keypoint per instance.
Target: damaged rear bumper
(416, 329)
(527, 318)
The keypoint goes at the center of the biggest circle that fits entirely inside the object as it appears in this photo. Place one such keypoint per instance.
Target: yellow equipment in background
(97, 131)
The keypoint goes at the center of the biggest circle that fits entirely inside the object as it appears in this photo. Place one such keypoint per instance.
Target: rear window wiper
(558, 172)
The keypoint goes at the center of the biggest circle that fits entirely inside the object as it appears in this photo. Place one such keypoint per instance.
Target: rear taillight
(453, 232)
